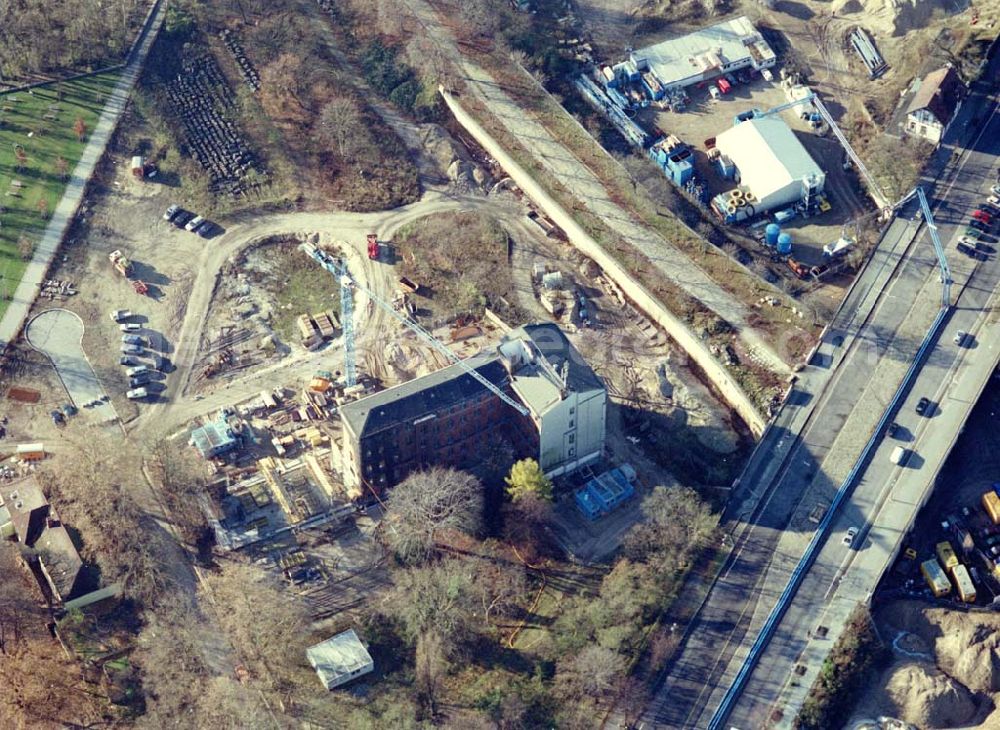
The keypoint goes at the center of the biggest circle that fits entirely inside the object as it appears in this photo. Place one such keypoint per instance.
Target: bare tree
(62, 168)
(426, 503)
(80, 128)
(25, 247)
(593, 671)
(677, 522)
(18, 600)
(340, 123)
(438, 598)
(431, 666)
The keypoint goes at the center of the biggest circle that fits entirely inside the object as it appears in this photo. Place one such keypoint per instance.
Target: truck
(963, 583)
(991, 503)
(838, 248)
(946, 554)
(373, 250)
(121, 263)
(935, 577)
(409, 285)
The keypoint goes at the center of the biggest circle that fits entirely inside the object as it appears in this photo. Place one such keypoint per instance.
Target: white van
(898, 456)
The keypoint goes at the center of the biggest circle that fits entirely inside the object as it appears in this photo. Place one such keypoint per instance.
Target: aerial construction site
(429, 363)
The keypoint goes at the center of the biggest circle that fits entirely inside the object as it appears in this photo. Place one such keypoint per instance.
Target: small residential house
(340, 659)
(934, 106)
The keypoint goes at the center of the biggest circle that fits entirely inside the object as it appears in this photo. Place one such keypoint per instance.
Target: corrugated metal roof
(338, 657)
(768, 155)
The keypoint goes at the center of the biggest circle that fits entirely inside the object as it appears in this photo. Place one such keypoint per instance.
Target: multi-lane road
(813, 444)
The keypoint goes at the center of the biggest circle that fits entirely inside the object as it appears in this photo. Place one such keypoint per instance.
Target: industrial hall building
(448, 418)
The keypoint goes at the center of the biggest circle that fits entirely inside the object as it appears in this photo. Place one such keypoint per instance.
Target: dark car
(984, 248)
(923, 405)
(136, 380)
(161, 363)
(183, 218)
(68, 410)
(893, 430)
(127, 361)
(978, 224)
(206, 229)
(57, 417)
(966, 249)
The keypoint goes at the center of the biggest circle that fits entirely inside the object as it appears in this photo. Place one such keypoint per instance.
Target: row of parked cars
(189, 221)
(139, 373)
(980, 224)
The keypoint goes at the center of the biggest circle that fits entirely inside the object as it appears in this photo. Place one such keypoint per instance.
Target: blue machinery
(347, 285)
(809, 556)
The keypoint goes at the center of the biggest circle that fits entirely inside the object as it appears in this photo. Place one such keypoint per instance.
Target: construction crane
(823, 112)
(938, 248)
(347, 284)
(341, 274)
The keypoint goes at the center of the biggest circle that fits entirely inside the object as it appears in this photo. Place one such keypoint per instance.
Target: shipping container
(946, 554)
(935, 577)
(30, 452)
(991, 503)
(964, 584)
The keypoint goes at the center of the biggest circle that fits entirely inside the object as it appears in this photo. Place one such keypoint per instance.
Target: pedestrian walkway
(37, 269)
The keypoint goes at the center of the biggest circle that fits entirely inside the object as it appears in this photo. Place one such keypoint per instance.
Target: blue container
(771, 234)
(784, 244)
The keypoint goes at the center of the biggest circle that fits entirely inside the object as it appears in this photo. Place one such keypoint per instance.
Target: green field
(25, 210)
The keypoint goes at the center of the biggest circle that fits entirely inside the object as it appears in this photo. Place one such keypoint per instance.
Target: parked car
(140, 379)
(161, 363)
(136, 393)
(133, 371)
(57, 417)
(993, 200)
(207, 229)
(68, 409)
(171, 212)
(130, 327)
(131, 350)
(194, 223)
(981, 215)
(120, 315)
(984, 247)
(966, 249)
(849, 536)
(960, 337)
(133, 340)
(922, 405)
(892, 430)
(127, 360)
(995, 189)
(973, 232)
(182, 218)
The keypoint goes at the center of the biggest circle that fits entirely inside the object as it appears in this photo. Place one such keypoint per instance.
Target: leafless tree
(427, 502)
(440, 597)
(431, 666)
(676, 523)
(592, 672)
(340, 123)
(18, 600)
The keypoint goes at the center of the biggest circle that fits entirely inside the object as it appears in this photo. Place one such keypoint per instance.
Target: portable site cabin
(31, 452)
(935, 577)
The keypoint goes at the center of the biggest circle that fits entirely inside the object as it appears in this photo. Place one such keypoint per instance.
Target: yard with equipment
(42, 133)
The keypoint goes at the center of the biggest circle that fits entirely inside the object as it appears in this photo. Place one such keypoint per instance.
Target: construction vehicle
(140, 287)
(121, 263)
(935, 577)
(409, 285)
(373, 249)
(798, 268)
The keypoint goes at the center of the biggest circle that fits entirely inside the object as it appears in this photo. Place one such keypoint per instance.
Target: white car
(994, 200)
(848, 539)
(130, 327)
(136, 393)
(120, 315)
(995, 189)
(194, 223)
(132, 372)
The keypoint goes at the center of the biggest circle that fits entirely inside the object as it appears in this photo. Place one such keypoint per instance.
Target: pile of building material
(317, 328)
(57, 289)
(202, 98)
(246, 67)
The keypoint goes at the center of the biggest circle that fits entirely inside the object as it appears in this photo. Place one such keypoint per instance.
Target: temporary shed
(340, 659)
(771, 162)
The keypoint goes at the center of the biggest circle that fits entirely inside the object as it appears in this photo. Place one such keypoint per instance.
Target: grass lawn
(25, 210)
(305, 288)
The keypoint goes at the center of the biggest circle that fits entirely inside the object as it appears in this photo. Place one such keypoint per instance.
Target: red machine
(373, 249)
(140, 287)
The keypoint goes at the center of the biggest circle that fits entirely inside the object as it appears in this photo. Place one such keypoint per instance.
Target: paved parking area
(58, 334)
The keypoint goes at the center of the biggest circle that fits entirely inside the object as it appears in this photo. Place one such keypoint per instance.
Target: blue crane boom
(339, 270)
(343, 276)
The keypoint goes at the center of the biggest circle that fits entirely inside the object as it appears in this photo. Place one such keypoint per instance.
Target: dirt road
(175, 408)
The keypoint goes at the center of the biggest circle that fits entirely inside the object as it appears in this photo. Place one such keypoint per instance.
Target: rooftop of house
(545, 366)
(60, 558)
(422, 396)
(338, 657)
(939, 93)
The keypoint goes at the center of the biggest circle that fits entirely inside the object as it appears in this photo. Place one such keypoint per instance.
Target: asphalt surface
(788, 458)
(886, 499)
(58, 333)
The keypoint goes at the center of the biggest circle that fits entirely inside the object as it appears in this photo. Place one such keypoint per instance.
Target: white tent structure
(771, 162)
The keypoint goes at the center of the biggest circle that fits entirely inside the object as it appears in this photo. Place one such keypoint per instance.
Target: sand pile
(928, 698)
(896, 17)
